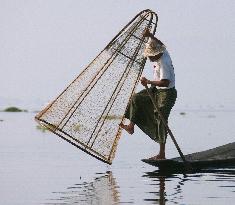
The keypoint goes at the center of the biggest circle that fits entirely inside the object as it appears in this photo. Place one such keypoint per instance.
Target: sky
(46, 44)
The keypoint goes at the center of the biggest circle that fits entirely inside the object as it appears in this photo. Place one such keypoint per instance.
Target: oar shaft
(165, 124)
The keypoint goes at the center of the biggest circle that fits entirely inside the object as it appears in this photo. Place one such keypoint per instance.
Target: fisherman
(140, 110)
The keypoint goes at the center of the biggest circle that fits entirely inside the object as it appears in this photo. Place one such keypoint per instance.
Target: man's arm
(160, 83)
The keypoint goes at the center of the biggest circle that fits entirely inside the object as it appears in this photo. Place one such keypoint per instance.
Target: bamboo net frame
(88, 112)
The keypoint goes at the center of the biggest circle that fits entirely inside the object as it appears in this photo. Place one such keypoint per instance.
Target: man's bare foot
(129, 128)
(157, 157)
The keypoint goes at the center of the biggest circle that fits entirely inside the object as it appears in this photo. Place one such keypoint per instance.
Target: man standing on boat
(140, 111)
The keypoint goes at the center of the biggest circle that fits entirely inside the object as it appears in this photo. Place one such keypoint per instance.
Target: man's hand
(144, 81)
(147, 33)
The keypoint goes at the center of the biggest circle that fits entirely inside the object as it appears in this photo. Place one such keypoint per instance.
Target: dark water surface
(37, 167)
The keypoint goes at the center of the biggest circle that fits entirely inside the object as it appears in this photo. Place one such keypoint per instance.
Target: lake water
(37, 167)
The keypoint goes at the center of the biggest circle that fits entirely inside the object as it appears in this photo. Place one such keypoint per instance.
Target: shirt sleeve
(165, 67)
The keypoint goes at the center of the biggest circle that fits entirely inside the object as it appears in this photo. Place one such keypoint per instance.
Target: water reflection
(172, 188)
(158, 188)
(103, 190)
(162, 195)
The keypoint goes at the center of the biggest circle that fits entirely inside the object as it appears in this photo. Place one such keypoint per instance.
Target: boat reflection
(160, 179)
(103, 190)
(170, 185)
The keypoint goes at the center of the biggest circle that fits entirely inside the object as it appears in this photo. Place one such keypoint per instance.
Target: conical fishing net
(88, 112)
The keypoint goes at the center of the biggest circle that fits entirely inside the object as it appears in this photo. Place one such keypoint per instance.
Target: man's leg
(134, 110)
(162, 154)
(165, 103)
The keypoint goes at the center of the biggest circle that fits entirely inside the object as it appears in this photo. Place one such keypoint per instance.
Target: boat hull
(219, 157)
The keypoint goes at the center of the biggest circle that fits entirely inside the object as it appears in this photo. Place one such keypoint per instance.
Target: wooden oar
(156, 108)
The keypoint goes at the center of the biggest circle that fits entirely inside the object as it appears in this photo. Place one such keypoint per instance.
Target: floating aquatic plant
(14, 109)
(41, 128)
(182, 113)
(77, 127)
(112, 117)
(45, 128)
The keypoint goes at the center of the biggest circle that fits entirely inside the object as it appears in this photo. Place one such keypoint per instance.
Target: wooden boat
(219, 157)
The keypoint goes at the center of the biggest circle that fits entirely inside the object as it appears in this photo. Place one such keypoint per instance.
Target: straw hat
(153, 48)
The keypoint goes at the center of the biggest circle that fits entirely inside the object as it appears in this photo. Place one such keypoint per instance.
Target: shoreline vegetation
(180, 111)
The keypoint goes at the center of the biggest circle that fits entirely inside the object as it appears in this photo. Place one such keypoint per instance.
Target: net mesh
(88, 112)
